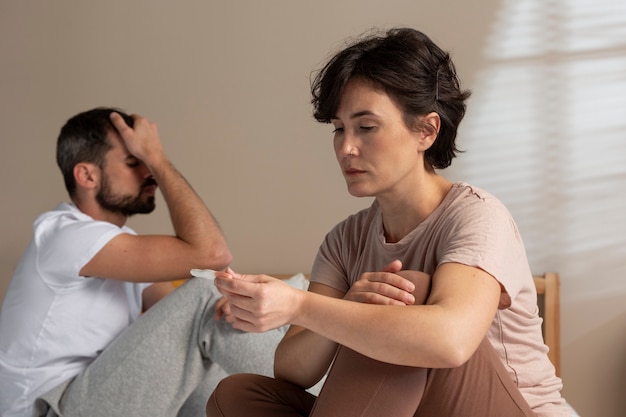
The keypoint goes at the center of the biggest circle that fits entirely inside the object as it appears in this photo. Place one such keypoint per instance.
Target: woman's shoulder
(466, 205)
(463, 196)
(466, 190)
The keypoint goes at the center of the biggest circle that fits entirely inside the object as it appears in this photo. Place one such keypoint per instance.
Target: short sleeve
(66, 242)
(484, 235)
(327, 268)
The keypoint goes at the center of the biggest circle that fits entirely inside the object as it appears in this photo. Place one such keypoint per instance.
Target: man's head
(90, 138)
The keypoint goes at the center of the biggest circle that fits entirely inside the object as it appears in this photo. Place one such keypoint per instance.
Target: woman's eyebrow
(357, 114)
(362, 113)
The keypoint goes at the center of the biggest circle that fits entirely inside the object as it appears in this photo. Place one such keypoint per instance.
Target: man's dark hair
(408, 66)
(83, 138)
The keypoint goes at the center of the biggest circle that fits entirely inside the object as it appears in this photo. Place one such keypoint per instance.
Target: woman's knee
(246, 394)
(229, 394)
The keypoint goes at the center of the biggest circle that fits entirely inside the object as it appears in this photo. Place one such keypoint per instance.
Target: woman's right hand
(257, 303)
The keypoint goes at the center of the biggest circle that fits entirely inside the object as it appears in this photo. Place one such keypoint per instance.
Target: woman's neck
(406, 211)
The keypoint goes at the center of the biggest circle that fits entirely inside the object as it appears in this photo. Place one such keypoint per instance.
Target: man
(73, 340)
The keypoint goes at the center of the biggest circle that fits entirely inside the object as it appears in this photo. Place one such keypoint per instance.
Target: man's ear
(86, 175)
(430, 125)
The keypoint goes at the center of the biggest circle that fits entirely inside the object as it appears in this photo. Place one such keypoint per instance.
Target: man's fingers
(119, 122)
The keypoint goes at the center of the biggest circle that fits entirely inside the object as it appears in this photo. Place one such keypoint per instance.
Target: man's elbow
(226, 258)
(220, 257)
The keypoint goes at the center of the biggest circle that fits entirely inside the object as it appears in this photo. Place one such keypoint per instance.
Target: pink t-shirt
(473, 228)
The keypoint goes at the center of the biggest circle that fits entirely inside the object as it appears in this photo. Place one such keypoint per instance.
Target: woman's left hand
(391, 286)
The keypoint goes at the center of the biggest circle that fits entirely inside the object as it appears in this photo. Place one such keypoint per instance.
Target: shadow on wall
(609, 392)
(545, 133)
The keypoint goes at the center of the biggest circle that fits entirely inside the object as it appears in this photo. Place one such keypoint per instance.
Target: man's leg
(195, 404)
(151, 368)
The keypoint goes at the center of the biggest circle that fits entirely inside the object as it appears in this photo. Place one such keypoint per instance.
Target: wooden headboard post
(548, 288)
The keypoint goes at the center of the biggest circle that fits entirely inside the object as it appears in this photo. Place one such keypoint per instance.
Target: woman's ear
(430, 125)
(86, 175)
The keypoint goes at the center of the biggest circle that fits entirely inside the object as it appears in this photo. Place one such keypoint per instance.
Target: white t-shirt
(53, 322)
(473, 228)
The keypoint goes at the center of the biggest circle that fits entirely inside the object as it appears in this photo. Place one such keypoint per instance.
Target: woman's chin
(359, 191)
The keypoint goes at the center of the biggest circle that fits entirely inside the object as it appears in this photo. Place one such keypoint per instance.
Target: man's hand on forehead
(142, 140)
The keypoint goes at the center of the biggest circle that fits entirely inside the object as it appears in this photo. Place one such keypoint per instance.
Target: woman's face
(377, 152)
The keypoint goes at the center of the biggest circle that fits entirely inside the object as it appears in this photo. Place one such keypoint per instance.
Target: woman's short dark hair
(408, 66)
(83, 138)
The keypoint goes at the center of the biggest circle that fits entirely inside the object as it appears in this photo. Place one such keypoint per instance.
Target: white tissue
(203, 273)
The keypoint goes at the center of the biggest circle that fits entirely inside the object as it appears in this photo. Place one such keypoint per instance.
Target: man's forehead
(117, 144)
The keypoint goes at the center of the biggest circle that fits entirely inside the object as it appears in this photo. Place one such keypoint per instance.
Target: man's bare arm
(198, 241)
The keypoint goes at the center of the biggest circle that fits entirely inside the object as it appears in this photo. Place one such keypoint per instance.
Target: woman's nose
(348, 147)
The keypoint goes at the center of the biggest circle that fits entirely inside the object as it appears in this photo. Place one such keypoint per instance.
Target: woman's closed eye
(363, 128)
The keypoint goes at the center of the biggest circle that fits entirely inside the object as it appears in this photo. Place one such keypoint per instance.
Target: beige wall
(228, 85)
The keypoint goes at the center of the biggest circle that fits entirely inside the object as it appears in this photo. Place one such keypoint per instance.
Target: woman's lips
(352, 171)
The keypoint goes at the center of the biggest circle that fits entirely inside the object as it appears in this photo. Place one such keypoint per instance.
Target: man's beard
(125, 204)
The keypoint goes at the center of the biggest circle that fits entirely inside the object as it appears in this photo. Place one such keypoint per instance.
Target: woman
(425, 300)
